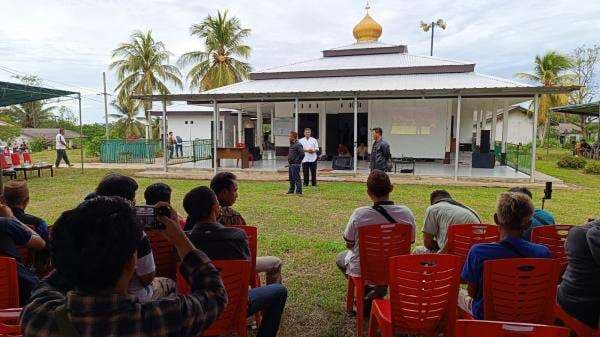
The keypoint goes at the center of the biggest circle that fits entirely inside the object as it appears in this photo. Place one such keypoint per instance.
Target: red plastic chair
(423, 296)
(4, 163)
(252, 234)
(9, 283)
(553, 237)
(470, 328)
(7, 169)
(520, 290)
(250, 156)
(376, 244)
(235, 275)
(27, 158)
(10, 330)
(15, 158)
(579, 328)
(460, 238)
(165, 257)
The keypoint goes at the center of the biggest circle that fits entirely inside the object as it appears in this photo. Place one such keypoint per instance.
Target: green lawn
(306, 231)
(74, 155)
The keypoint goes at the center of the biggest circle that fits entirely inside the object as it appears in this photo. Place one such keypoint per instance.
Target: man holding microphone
(311, 147)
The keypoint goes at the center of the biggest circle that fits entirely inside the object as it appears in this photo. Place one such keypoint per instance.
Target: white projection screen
(414, 128)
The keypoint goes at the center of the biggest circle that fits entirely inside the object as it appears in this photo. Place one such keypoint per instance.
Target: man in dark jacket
(295, 156)
(380, 154)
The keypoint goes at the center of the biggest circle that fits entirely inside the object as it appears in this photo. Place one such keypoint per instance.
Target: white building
(519, 123)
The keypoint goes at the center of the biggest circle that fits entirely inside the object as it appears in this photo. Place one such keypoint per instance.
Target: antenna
(368, 6)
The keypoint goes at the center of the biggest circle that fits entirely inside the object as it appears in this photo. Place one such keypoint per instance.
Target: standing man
(171, 144)
(295, 156)
(178, 146)
(61, 148)
(380, 154)
(311, 147)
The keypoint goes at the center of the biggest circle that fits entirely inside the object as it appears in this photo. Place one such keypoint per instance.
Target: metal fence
(190, 151)
(121, 151)
(518, 156)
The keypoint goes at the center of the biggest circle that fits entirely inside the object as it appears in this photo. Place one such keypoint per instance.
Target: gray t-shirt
(443, 214)
(364, 216)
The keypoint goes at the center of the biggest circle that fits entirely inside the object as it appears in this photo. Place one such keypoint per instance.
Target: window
(191, 122)
(186, 122)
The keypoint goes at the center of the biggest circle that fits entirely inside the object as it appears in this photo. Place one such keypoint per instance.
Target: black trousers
(294, 176)
(312, 167)
(61, 155)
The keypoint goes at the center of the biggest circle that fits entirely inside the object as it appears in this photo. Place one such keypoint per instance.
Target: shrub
(571, 162)
(592, 168)
(8, 133)
(37, 144)
(92, 145)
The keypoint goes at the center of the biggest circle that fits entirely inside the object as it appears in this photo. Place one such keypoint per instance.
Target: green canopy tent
(15, 93)
(588, 109)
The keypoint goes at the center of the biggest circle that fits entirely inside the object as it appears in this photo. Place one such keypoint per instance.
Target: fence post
(194, 150)
(518, 155)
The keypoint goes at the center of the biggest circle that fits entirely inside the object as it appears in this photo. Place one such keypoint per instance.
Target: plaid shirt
(230, 217)
(124, 316)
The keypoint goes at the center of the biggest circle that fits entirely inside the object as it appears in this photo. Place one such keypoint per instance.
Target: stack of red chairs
(9, 297)
(7, 169)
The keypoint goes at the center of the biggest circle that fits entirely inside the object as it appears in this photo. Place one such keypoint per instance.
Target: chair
(553, 237)
(16, 163)
(250, 156)
(470, 328)
(10, 330)
(27, 158)
(460, 238)
(7, 169)
(165, 257)
(520, 290)
(579, 328)
(39, 166)
(235, 275)
(9, 283)
(423, 296)
(252, 234)
(376, 244)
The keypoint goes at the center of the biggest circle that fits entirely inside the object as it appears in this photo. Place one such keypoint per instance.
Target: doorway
(340, 130)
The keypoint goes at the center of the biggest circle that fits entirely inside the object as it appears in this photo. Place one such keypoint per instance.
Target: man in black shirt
(380, 154)
(295, 156)
(229, 243)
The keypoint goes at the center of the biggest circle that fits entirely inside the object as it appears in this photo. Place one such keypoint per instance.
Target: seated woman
(362, 151)
(343, 151)
(578, 293)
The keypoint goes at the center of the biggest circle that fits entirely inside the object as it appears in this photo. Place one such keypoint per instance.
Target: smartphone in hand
(147, 216)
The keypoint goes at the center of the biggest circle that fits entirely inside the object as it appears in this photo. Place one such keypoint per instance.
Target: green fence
(203, 149)
(519, 157)
(125, 151)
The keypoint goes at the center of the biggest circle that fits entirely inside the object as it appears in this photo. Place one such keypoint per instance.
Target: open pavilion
(591, 109)
(426, 106)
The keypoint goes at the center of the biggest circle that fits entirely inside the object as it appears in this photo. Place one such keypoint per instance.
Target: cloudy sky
(69, 43)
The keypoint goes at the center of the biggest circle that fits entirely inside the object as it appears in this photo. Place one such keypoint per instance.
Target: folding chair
(235, 275)
(423, 296)
(461, 237)
(553, 237)
(376, 244)
(471, 328)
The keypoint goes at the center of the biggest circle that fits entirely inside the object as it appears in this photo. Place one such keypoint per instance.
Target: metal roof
(47, 133)
(181, 108)
(15, 93)
(589, 109)
(363, 45)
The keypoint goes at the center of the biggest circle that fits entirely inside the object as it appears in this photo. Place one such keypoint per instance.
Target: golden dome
(367, 30)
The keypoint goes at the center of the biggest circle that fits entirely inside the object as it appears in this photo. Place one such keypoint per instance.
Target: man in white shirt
(311, 147)
(61, 148)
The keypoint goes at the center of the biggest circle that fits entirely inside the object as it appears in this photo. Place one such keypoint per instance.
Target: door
(340, 131)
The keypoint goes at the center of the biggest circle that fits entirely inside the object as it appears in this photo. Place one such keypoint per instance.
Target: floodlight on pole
(426, 26)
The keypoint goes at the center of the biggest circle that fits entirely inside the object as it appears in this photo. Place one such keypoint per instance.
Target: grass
(74, 155)
(306, 231)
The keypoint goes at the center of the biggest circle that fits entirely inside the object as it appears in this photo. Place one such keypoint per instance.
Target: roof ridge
(506, 80)
(440, 58)
(289, 64)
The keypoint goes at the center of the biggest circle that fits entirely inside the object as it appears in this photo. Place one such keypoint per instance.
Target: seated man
(443, 212)
(13, 233)
(145, 286)
(224, 184)
(160, 192)
(513, 216)
(383, 211)
(578, 293)
(94, 249)
(16, 196)
(228, 243)
(540, 216)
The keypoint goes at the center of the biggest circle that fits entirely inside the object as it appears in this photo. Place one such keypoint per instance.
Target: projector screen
(414, 128)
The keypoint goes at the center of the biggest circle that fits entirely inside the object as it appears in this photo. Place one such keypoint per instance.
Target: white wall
(519, 128)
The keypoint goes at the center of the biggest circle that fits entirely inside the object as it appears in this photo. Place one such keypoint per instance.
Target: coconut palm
(224, 60)
(550, 69)
(142, 67)
(127, 111)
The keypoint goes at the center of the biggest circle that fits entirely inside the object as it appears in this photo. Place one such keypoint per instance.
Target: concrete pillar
(165, 142)
(457, 146)
(273, 125)
(355, 134)
(259, 126)
(536, 109)
(216, 134)
(240, 128)
(296, 110)
(493, 130)
(369, 124)
(505, 114)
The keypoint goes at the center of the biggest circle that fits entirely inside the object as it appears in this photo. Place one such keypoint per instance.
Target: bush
(8, 133)
(571, 162)
(37, 144)
(592, 168)
(92, 145)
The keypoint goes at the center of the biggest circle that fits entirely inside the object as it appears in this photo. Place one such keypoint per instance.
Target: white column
(216, 134)
(536, 109)
(240, 128)
(323, 127)
(164, 125)
(493, 130)
(296, 108)
(273, 125)
(355, 134)
(457, 145)
(259, 122)
(369, 125)
(505, 113)
(478, 128)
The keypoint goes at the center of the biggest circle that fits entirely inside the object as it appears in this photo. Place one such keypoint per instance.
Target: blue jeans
(294, 176)
(270, 301)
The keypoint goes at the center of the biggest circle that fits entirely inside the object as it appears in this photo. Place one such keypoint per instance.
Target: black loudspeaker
(483, 160)
(484, 141)
(548, 191)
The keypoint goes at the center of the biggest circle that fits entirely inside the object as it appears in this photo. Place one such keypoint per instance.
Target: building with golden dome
(430, 108)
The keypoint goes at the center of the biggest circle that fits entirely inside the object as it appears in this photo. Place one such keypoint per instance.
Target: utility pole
(105, 104)
(427, 26)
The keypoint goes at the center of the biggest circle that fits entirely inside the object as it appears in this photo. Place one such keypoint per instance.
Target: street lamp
(426, 26)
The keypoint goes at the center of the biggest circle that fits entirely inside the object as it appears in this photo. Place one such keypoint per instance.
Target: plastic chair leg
(350, 296)
(359, 299)
(378, 321)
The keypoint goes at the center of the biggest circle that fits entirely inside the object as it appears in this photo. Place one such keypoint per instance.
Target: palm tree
(223, 61)
(142, 67)
(550, 69)
(127, 115)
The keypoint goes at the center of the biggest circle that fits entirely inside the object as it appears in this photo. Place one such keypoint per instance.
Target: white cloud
(71, 41)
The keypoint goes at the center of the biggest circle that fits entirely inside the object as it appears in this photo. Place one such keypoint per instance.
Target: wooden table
(233, 153)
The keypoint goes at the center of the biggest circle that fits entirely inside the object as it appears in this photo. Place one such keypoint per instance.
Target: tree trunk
(583, 126)
(544, 131)
(148, 134)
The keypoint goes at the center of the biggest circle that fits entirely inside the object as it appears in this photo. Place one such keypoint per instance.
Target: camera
(147, 216)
